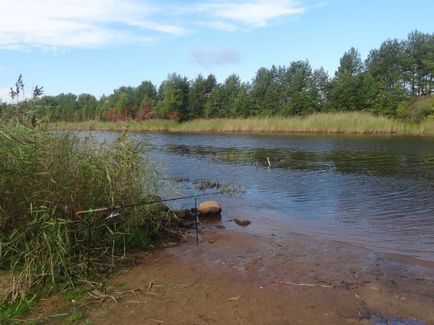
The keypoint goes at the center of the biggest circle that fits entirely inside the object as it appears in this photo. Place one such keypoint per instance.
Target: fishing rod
(118, 207)
(115, 214)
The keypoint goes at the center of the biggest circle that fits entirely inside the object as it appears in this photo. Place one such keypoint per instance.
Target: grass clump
(16, 309)
(74, 316)
(44, 179)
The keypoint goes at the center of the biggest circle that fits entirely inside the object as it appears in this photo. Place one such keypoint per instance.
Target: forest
(395, 80)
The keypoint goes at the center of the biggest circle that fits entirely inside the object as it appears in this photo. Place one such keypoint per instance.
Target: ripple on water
(378, 191)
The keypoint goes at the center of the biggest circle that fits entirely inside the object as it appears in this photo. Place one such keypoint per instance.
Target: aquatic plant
(45, 178)
(347, 123)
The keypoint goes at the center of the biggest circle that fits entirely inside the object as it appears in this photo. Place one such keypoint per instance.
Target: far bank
(329, 123)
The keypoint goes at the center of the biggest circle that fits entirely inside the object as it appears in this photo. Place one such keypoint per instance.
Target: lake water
(377, 192)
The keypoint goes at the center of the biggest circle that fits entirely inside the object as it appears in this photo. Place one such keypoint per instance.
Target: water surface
(373, 191)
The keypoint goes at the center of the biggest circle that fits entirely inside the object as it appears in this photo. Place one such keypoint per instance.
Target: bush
(45, 178)
(417, 108)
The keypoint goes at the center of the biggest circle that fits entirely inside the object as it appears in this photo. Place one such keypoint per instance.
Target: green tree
(146, 97)
(300, 89)
(216, 102)
(267, 92)
(231, 86)
(230, 99)
(146, 90)
(419, 62)
(200, 91)
(385, 66)
(242, 104)
(173, 95)
(67, 108)
(87, 104)
(47, 107)
(346, 88)
(350, 63)
(321, 88)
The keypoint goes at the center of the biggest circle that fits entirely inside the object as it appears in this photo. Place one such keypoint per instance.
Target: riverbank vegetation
(395, 80)
(342, 123)
(44, 245)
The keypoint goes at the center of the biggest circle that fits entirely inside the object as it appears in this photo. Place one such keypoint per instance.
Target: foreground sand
(239, 277)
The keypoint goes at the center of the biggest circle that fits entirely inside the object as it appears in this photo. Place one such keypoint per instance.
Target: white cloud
(207, 56)
(219, 25)
(77, 23)
(164, 28)
(250, 13)
(96, 23)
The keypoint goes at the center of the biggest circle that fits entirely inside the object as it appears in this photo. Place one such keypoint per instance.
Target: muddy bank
(239, 277)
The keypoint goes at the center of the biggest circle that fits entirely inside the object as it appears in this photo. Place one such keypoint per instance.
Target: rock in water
(209, 208)
(242, 222)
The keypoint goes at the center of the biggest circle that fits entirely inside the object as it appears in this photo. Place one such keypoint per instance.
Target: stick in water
(197, 222)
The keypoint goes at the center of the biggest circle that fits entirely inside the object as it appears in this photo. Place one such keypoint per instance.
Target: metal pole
(197, 222)
(88, 243)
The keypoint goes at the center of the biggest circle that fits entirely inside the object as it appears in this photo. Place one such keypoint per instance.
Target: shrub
(416, 109)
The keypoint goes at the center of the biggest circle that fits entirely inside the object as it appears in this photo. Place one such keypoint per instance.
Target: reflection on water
(370, 163)
(376, 191)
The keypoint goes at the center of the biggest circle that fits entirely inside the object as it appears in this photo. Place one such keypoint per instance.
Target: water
(377, 192)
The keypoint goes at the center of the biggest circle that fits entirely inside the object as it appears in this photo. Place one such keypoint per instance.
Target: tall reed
(44, 179)
(348, 123)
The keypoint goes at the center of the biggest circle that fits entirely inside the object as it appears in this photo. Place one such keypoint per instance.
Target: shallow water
(373, 191)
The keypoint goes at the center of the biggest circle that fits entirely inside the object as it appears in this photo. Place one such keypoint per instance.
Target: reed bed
(44, 180)
(346, 123)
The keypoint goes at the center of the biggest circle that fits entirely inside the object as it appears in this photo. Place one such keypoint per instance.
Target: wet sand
(240, 276)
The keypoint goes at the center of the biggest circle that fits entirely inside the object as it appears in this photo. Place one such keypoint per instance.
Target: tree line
(394, 80)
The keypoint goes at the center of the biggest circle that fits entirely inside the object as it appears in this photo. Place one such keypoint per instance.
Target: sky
(96, 46)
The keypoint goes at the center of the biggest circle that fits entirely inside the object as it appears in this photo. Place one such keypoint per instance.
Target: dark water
(374, 191)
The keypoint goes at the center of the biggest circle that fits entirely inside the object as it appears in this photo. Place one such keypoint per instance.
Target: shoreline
(322, 123)
(240, 276)
(236, 276)
(264, 132)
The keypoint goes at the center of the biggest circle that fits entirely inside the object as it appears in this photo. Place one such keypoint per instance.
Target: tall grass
(348, 123)
(44, 180)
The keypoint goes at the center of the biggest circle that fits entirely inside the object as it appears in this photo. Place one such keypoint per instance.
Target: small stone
(220, 227)
(209, 208)
(242, 222)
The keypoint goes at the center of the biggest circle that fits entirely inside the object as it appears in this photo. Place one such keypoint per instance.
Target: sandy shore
(237, 276)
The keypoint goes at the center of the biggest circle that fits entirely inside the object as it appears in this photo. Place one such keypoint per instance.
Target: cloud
(251, 14)
(164, 28)
(97, 23)
(207, 57)
(78, 23)
(219, 25)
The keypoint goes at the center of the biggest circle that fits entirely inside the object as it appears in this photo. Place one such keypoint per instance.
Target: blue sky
(95, 46)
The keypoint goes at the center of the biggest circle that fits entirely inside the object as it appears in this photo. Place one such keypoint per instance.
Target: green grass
(13, 310)
(45, 178)
(347, 123)
(74, 316)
